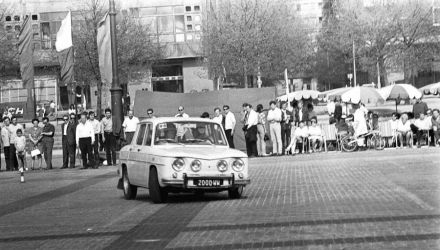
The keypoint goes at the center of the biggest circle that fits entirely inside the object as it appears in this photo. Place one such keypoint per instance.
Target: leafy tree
(8, 50)
(245, 37)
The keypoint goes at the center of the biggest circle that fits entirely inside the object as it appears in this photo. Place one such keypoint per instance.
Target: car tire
(157, 193)
(235, 193)
(130, 191)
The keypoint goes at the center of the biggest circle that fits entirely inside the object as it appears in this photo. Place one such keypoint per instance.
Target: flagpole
(116, 91)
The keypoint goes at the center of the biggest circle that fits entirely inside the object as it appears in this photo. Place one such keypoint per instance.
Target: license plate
(208, 183)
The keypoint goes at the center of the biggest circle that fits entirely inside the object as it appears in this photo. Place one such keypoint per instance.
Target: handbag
(35, 152)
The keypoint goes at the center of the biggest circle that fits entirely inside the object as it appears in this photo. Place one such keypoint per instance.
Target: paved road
(364, 200)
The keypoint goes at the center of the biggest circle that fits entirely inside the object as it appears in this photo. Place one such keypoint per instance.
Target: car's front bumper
(188, 182)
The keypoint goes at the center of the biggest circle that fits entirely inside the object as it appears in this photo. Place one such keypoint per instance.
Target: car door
(146, 154)
(135, 156)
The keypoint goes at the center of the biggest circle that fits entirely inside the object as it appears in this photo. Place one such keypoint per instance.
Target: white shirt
(404, 127)
(315, 131)
(230, 121)
(84, 130)
(274, 115)
(96, 126)
(360, 124)
(130, 125)
(301, 132)
(300, 114)
(394, 125)
(65, 128)
(218, 119)
(13, 132)
(424, 124)
(252, 119)
(331, 107)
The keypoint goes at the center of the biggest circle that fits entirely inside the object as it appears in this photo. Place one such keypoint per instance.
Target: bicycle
(374, 141)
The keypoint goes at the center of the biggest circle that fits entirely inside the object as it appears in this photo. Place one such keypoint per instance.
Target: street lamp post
(116, 91)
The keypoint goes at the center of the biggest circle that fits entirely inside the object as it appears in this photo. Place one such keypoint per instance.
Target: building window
(188, 18)
(134, 12)
(17, 28)
(197, 27)
(165, 24)
(8, 18)
(188, 8)
(179, 23)
(197, 18)
(320, 19)
(189, 27)
(189, 37)
(34, 17)
(16, 18)
(198, 37)
(8, 28)
(45, 36)
(196, 8)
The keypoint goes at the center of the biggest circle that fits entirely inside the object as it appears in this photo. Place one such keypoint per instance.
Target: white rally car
(181, 155)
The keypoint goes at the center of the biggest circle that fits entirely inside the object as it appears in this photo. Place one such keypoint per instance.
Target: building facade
(177, 24)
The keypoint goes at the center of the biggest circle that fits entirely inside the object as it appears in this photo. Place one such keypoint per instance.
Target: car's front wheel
(235, 193)
(130, 191)
(157, 193)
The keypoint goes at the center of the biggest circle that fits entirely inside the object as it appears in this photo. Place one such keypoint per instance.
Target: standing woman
(261, 129)
(35, 139)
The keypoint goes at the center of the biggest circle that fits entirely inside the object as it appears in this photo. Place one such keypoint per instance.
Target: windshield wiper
(199, 140)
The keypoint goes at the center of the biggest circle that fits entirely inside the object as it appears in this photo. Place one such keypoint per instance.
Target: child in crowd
(20, 145)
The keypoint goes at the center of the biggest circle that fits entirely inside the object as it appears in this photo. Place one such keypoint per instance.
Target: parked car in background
(181, 155)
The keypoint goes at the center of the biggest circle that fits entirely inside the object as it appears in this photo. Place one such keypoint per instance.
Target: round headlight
(178, 164)
(238, 165)
(196, 165)
(222, 166)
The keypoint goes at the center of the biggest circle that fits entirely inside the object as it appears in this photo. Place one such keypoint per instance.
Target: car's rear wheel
(130, 191)
(235, 193)
(157, 193)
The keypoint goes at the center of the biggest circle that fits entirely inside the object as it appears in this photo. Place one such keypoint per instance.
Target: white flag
(64, 35)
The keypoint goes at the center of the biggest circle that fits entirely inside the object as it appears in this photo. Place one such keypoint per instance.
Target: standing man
(301, 113)
(5, 142)
(108, 138)
(150, 113)
(250, 130)
(419, 107)
(218, 117)
(96, 125)
(181, 113)
(13, 127)
(274, 119)
(338, 110)
(85, 138)
(130, 123)
(229, 125)
(286, 119)
(68, 139)
(47, 141)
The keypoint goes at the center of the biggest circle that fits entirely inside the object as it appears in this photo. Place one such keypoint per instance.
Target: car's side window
(140, 135)
(148, 135)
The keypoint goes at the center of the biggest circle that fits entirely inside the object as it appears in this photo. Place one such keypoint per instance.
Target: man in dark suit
(286, 120)
(301, 113)
(68, 129)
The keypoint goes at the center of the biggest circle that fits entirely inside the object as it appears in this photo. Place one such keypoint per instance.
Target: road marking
(147, 241)
(414, 198)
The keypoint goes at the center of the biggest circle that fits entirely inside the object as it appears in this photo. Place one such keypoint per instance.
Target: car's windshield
(189, 133)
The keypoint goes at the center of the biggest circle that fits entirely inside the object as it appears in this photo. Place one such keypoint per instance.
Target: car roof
(176, 119)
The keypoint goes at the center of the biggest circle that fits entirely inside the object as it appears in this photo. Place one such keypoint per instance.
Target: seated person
(421, 127)
(200, 133)
(350, 125)
(404, 130)
(315, 134)
(300, 135)
(393, 124)
(435, 121)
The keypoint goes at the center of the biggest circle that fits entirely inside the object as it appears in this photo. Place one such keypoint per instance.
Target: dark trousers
(110, 148)
(101, 143)
(230, 138)
(47, 147)
(85, 145)
(12, 157)
(285, 135)
(128, 137)
(95, 148)
(7, 158)
(251, 141)
(420, 134)
(68, 153)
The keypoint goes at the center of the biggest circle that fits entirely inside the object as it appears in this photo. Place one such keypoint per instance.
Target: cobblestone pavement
(364, 200)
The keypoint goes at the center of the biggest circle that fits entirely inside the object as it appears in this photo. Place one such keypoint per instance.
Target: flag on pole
(105, 50)
(64, 34)
(26, 53)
